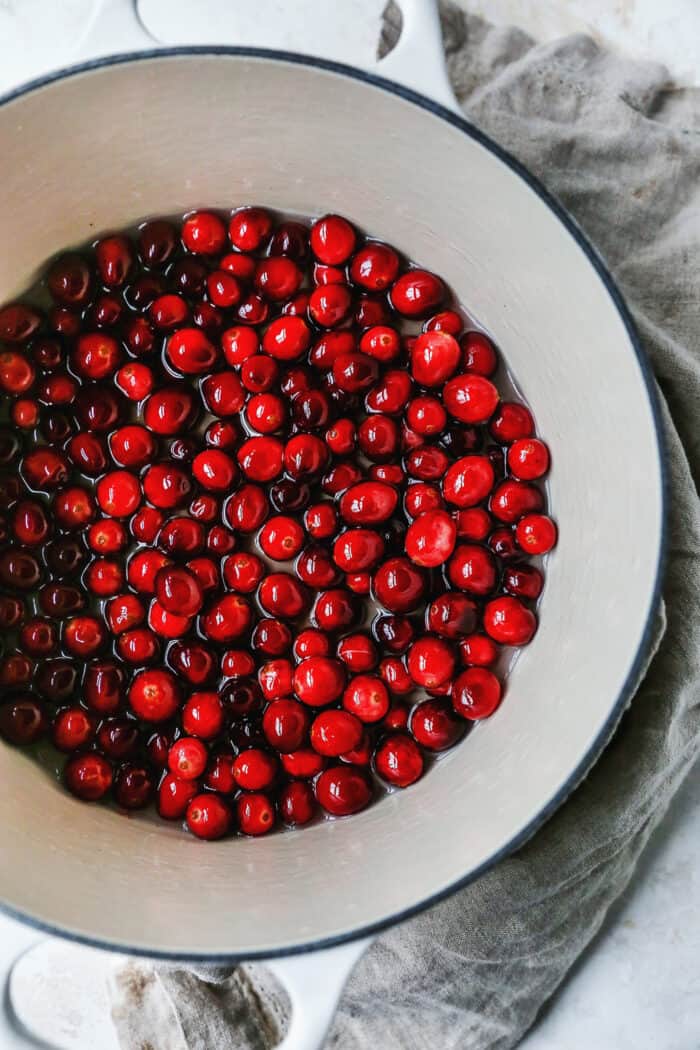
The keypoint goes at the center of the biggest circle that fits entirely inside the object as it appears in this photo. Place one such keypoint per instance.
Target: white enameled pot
(100, 146)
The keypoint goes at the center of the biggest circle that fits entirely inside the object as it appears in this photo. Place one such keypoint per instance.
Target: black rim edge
(625, 695)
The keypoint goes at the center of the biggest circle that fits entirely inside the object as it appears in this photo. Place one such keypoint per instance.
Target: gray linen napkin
(620, 147)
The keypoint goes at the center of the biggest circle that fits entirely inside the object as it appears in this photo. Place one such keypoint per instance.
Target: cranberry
(88, 776)
(434, 358)
(318, 680)
(222, 394)
(84, 635)
(249, 228)
(358, 549)
(478, 354)
(154, 695)
(22, 719)
(311, 642)
(256, 814)
(166, 486)
(368, 503)
(524, 581)
(398, 585)
(374, 267)
(332, 240)
(157, 242)
(287, 338)
(25, 413)
(536, 534)
(396, 718)
(343, 790)
(226, 619)
(472, 569)
(275, 679)
(477, 650)
(297, 803)
(19, 570)
(181, 536)
(139, 335)
(417, 293)
(17, 374)
(334, 610)
(189, 351)
(133, 787)
(394, 632)
(333, 733)
(285, 724)
(18, 323)
(74, 507)
(528, 459)
(421, 497)
(114, 257)
(290, 238)
(219, 776)
(259, 373)
(29, 523)
(451, 615)
(206, 571)
(56, 680)
(509, 622)
(208, 817)
(430, 662)
(511, 423)
(103, 686)
(330, 304)
(305, 763)
(513, 499)
(123, 612)
(204, 233)
(371, 311)
(193, 662)
(431, 538)
(247, 509)
(168, 411)
(470, 398)
(69, 280)
(468, 481)
(45, 469)
(476, 693)
(119, 737)
(399, 760)
(61, 599)
(281, 595)
(265, 413)
(104, 577)
(502, 542)
(174, 796)
(367, 698)
(146, 523)
(391, 394)
(118, 493)
(435, 726)
(98, 408)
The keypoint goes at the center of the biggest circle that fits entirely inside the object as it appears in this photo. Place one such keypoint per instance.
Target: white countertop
(638, 986)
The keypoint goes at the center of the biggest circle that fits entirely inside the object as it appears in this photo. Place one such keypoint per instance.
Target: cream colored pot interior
(106, 147)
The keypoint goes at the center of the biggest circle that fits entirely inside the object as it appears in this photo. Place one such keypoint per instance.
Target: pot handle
(314, 983)
(417, 61)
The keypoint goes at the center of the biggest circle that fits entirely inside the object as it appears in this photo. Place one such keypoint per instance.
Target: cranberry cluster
(258, 497)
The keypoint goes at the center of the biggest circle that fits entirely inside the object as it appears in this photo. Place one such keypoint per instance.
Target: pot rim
(625, 695)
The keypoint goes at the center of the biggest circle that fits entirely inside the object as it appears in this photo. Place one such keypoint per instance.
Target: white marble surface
(638, 986)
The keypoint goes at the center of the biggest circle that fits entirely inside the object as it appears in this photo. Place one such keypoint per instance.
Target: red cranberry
(24, 413)
(119, 737)
(417, 293)
(45, 469)
(208, 816)
(256, 813)
(398, 585)
(124, 612)
(168, 411)
(330, 304)
(204, 233)
(104, 577)
(391, 394)
(431, 538)
(22, 719)
(157, 242)
(513, 499)
(333, 733)
(478, 354)
(318, 680)
(509, 622)
(287, 338)
(524, 581)
(451, 615)
(305, 763)
(219, 775)
(367, 698)
(445, 321)
(154, 695)
(227, 618)
(470, 398)
(259, 373)
(166, 486)
(343, 790)
(281, 595)
(311, 642)
(249, 228)
(223, 394)
(334, 610)
(179, 591)
(435, 726)
(265, 413)
(430, 662)
(247, 508)
(190, 352)
(476, 693)
(511, 423)
(261, 458)
(468, 481)
(29, 523)
(374, 267)
(187, 758)
(297, 803)
(181, 536)
(477, 650)
(395, 633)
(356, 550)
(74, 507)
(88, 776)
(434, 358)
(140, 646)
(332, 240)
(69, 280)
(528, 459)
(17, 374)
(275, 679)
(472, 569)
(118, 493)
(536, 534)
(399, 760)
(146, 523)
(285, 725)
(139, 335)
(174, 796)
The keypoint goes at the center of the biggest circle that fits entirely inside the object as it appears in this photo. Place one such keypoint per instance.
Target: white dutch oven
(100, 146)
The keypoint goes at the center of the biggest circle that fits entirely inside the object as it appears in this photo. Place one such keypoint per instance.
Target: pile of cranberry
(264, 520)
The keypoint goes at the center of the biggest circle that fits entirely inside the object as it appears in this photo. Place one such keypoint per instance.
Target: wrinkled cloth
(620, 147)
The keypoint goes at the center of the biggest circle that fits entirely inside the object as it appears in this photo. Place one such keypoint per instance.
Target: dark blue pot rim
(645, 640)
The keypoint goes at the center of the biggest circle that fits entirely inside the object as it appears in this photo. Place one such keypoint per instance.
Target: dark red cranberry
(11, 611)
(241, 698)
(391, 394)
(247, 508)
(524, 581)
(69, 280)
(88, 453)
(18, 322)
(56, 679)
(478, 354)
(282, 595)
(168, 411)
(291, 239)
(193, 661)
(394, 633)
(98, 408)
(399, 585)
(476, 693)
(259, 373)
(45, 469)
(249, 228)
(334, 610)
(22, 719)
(19, 569)
(88, 776)
(157, 242)
(511, 423)
(114, 257)
(38, 637)
(133, 787)
(451, 615)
